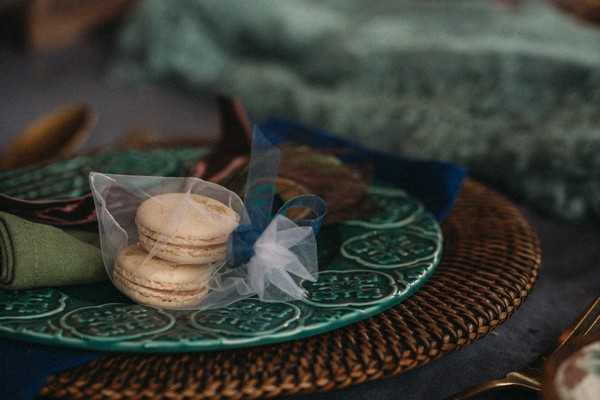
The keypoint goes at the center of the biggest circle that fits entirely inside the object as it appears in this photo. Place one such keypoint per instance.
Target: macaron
(185, 228)
(155, 282)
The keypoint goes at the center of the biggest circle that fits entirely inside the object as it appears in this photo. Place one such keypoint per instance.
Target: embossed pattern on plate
(116, 321)
(367, 266)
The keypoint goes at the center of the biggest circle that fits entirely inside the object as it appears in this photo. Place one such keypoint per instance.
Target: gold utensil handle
(492, 385)
(54, 135)
(587, 323)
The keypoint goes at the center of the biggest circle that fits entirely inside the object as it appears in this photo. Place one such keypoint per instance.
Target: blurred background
(510, 89)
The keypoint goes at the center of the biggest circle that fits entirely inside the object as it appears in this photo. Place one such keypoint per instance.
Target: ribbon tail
(298, 269)
(286, 284)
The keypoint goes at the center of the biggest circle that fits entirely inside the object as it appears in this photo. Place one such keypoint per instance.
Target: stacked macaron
(158, 282)
(182, 240)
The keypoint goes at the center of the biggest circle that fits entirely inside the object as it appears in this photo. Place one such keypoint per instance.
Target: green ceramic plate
(367, 266)
(69, 178)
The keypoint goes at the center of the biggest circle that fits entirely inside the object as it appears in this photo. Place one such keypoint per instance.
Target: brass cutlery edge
(531, 376)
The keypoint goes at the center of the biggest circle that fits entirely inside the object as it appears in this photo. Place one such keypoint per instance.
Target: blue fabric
(307, 201)
(435, 183)
(260, 195)
(24, 367)
(246, 235)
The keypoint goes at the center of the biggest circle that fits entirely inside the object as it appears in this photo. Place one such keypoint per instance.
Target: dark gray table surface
(569, 280)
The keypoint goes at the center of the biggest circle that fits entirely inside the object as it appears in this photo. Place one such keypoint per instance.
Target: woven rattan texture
(491, 260)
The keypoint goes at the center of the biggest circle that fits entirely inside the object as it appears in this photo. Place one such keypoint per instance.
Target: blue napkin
(24, 367)
(435, 183)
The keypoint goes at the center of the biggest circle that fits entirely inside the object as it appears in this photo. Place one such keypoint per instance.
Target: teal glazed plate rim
(367, 266)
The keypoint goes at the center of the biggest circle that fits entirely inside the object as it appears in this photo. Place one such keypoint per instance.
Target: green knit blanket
(512, 94)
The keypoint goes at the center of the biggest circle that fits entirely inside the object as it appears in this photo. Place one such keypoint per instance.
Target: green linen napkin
(36, 255)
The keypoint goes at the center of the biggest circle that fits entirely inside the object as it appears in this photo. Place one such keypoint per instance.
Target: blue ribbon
(260, 194)
(314, 203)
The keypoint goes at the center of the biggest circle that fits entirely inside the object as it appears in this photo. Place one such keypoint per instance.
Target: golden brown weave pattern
(491, 260)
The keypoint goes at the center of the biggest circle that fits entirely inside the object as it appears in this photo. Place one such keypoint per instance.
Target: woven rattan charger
(491, 260)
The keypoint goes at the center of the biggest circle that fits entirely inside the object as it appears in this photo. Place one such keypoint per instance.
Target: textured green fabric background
(511, 93)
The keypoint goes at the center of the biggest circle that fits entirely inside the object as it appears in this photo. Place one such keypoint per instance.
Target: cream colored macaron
(185, 228)
(160, 283)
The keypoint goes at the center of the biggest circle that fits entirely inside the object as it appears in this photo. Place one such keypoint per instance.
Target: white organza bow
(284, 255)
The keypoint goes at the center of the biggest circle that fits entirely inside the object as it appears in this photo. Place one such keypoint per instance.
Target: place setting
(387, 266)
(166, 240)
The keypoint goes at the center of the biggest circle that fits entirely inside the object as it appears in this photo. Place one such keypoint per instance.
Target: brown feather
(304, 170)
